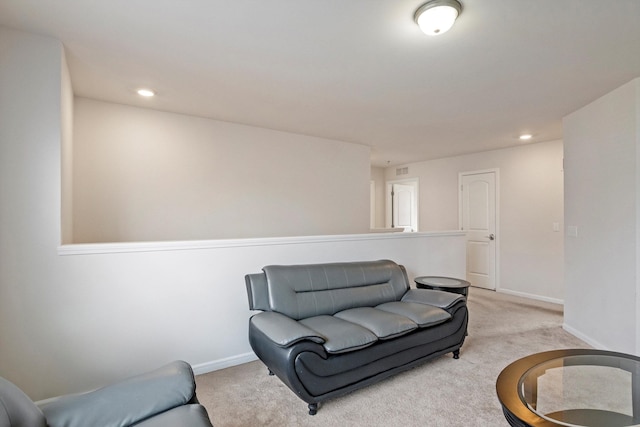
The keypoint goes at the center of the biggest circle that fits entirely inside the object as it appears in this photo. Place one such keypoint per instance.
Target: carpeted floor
(443, 392)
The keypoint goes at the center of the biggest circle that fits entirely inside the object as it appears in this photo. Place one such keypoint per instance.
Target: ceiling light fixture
(437, 16)
(147, 93)
(526, 136)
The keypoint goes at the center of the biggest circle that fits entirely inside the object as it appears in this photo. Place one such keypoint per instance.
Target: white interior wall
(531, 200)
(377, 175)
(66, 99)
(601, 200)
(70, 323)
(637, 208)
(30, 192)
(145, 175)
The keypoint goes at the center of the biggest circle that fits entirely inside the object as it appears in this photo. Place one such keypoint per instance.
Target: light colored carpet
(442, 392)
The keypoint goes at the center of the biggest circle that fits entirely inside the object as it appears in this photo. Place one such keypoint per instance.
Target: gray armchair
(165, 397)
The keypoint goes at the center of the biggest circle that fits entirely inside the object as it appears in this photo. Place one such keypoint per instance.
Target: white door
(478, 218)
(403, 201)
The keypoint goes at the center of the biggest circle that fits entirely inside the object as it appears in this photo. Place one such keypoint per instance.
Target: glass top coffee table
(580, 387)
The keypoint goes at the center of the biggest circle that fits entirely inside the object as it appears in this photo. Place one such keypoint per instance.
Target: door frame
(496, 171)
(387, 199)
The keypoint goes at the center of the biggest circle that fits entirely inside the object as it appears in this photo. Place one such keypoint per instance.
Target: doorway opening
(402, 204)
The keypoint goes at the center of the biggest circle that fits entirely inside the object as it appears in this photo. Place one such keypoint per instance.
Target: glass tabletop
(584, 390)
(449, 282)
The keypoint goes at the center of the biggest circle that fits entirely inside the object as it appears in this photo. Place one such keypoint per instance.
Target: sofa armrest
(433, 297)
(126, 402)
(17, 409)
(283, 330)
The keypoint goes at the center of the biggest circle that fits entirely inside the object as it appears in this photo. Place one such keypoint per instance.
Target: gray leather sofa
(328, 329)
(165, 397)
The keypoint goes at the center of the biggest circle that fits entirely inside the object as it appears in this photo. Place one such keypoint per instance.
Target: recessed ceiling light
(526, 136)
(147, 93)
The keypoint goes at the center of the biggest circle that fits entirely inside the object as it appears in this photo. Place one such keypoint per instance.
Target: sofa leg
(313, 408)
(270, 372)
(456, 354)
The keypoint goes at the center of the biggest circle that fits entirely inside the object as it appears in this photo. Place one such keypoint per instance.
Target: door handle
(492, 236)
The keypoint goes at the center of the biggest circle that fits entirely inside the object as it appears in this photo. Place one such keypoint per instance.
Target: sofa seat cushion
(384, 324)
(433, 297)
(422, 314)
(340, 336)
(194, 415)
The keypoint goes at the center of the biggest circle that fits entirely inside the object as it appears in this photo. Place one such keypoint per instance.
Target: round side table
(447, 284)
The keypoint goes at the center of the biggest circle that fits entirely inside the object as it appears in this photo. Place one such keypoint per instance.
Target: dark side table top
(448, 284)
(441, 282)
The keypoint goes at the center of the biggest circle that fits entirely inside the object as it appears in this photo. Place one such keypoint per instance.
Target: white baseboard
(593, 343)
(215, 365)
(531, 296)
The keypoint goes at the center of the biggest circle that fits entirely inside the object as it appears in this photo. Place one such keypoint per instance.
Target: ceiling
(359, 71)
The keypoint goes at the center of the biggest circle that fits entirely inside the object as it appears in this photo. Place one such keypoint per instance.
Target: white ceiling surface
(353, 70)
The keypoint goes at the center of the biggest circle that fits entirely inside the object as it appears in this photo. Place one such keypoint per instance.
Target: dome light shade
(437, 16)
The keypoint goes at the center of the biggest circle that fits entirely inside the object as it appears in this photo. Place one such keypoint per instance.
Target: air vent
(402, 171)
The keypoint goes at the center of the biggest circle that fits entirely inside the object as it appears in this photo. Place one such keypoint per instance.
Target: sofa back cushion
(301, 291)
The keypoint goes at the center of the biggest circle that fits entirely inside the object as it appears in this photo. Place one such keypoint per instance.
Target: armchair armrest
(433, 297)
(126, 402)
(283, 330)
